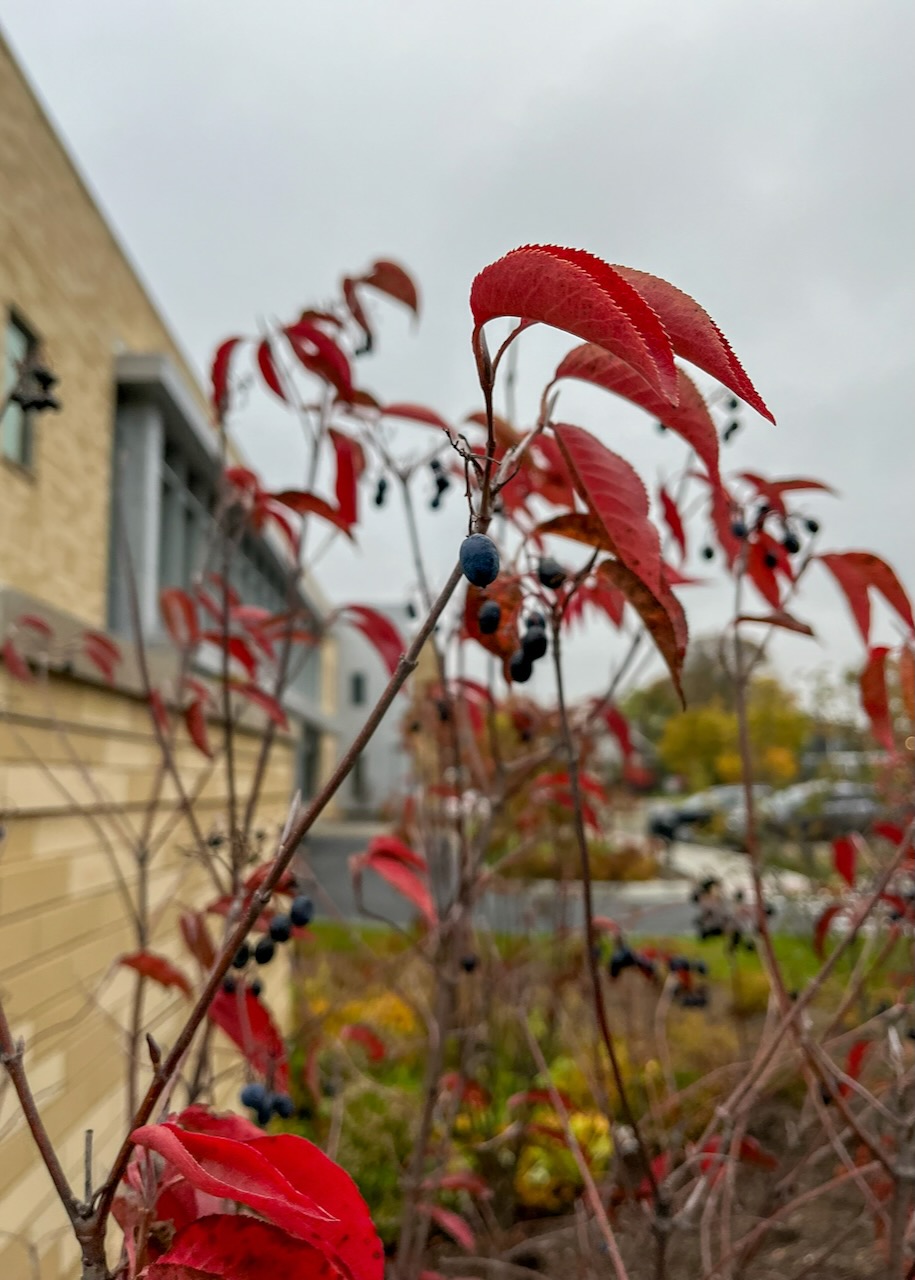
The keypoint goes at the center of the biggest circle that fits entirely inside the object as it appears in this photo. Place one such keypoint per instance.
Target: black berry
(380, 492)
(479, 559)
(733, 403)
(489, 617)
(551, 573)
(265, 1110)
(283, 1106)
(280, 928)
(228, 986)
(242, 956)
(791, 544)
(520, 667)
(770, 559)
(813, 526)
(469, 963)
(263, 952)
(678, 964)
(739, 529)
(533, 643)
(662, 427)
(256, 988)
(436, 502)
(535, 619)
(253, 1095)
(302, 911)
(708, 553)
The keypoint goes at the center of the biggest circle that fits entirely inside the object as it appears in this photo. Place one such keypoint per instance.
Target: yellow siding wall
(63, 922)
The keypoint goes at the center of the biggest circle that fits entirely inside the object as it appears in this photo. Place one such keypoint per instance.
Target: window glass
(17, 425)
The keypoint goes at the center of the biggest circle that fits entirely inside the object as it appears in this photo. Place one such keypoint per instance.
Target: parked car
(699, 812)
(810, 811)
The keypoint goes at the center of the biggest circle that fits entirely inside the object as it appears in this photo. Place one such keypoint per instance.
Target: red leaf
(371, 1043)
(16, 665)
(317, 352)
(387, 277)
(694, 335)
(267, 703)
(390, 847)
(267, 366)
(200, 1119)
(34, 623)
(248, 1024)
(762, 575)
(377, 629)
(179, 613)
(468, 1090)
(618, 725)
(662, 615)
(472, 1183)
(245, 481)
(845, 857)
(855, 572)
(196, 724)
(350, 462)
(451, 1223)
(690, 419)
(403, 878)
(157, 968)
(772, 490)
(507, 594)
(102, 652)
(874, 698)
(197, 938)
(578, 293)
(907, 681)
(351, 298)
(417, 413)
(237, 1247)
(219, 376)
(540, 1097)
(236, 647)
(821, 928)
(673, 521)
(780, 618)
(305, 503)
(854, 1063)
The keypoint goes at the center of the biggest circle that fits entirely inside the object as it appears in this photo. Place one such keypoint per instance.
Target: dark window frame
(24, 457)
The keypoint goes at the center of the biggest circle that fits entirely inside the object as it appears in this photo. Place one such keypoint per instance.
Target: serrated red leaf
(874, 697)
(310, 504)
(179, 613)
(616, 495)
(390, 278)
(690, 419)
(197, 938)
(662, 615)
(882, 577)
(772, 491)
(845, 857)
(694, 335)
(195, 722)
(248, 1024)
(317, 352)
(350, 461)
(360, 1034)
(404, 879)
(573, 291)
(237, 1247)
(416, 413)
(270, 706)
(821, 927)
(16, 664)
(780, 618)
(451, 1223)
(157, 968)
(673, 521)
(378, 630)
(226, 1124)
(219, 376)
(267, 366)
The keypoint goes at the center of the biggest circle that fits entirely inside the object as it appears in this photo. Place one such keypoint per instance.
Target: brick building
(78, 756)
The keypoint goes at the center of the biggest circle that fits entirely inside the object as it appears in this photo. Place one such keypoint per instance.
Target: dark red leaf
(772, 491)
(762, 575)
(365, 1036)
(390, 847)
(97, 649)
(399, 876)
(507, 593)
(317, 352)
(227, 1124)
(248, 1024)
(673, 521)
(197, 938)
(662, 615)
(845, 857)
(780, 618)
(690, 419)
(417, 413)
(578, 293)
(33, 623)
(352, 300)
(377, 629)
(179, 613)
(196, 724)
(874, 698)
(157, 968)
(878, 574)
(236, 647)
(219, 376)
(390, 278)
(854, 1062)
(451, 1223)
(238, 1247)
(267, 366)
(618, 725)
(310, 503)
(16, 665)
(821, 928)
(270, 706)
(695, 336)
(350, 462)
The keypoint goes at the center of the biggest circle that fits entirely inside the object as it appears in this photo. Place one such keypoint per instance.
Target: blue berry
(739, 529)
(551, 573)
(302, 911)
(479, 559)
(533, 643)
(280, 928)
(228, 985)
(265, 1110)
(242, 956)
(283, 1106)
(489, 617)
(253, 1095)
(256, 988)
(263, 952)
(520, 667)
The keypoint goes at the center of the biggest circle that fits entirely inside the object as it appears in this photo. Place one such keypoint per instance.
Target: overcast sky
(758, 156)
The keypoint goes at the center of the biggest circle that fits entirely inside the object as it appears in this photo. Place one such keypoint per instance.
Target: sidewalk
(698, 862)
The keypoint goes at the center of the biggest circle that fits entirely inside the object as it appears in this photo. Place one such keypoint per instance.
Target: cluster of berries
(722, 917)
(264, 1103)
(442, 484)
(299, 915)
(533, 647)
(790, 541)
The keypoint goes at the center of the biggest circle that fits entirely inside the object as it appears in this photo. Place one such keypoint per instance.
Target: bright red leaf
(179, 613)
(197, 938)
(618, 725)
(379, 630)
(311, 504)
(157, 968)
(270, 706)
(102, 652)
(248, 1024)
(673, 521)
(390, 278)
(578, 293)
(226, 1124)
(773, 491)
(350, 463)
(317, 352)
(267, 366)
(780, 618)
(195, 722)
(405, 879)
(853, 1064)
(219, 376)
(874, 697)
(237, 1247)
(845, 858)
(821, 928)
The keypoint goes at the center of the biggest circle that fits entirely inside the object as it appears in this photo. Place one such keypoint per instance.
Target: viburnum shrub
(556, 528)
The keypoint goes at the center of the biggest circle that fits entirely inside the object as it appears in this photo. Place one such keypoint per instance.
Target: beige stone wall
(63, 921)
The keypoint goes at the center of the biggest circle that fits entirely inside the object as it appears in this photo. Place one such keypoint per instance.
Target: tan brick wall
(63, 922)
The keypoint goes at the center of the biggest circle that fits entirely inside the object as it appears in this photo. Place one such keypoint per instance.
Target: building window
(357, 688)
(309, 760)
(17, 427)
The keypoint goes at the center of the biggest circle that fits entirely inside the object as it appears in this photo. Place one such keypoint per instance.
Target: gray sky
(758, 156)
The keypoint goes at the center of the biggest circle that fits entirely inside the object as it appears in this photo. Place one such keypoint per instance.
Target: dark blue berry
(791, 544)
(519, 667)
(283, 1106)
(265, 1110)
(256, 988)
(380, 492)
(536, 619)
(708, 553)
(770, 559)
(469, 963)
(263, 952)
(533, 643)
(253, 1095)
(813, 526)
(489, 617)
(551, 573)
(228, 985)
(280, 928)
(479, 559)
(302, 911)
(242, 956)
(739, 529)
(678, 964)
